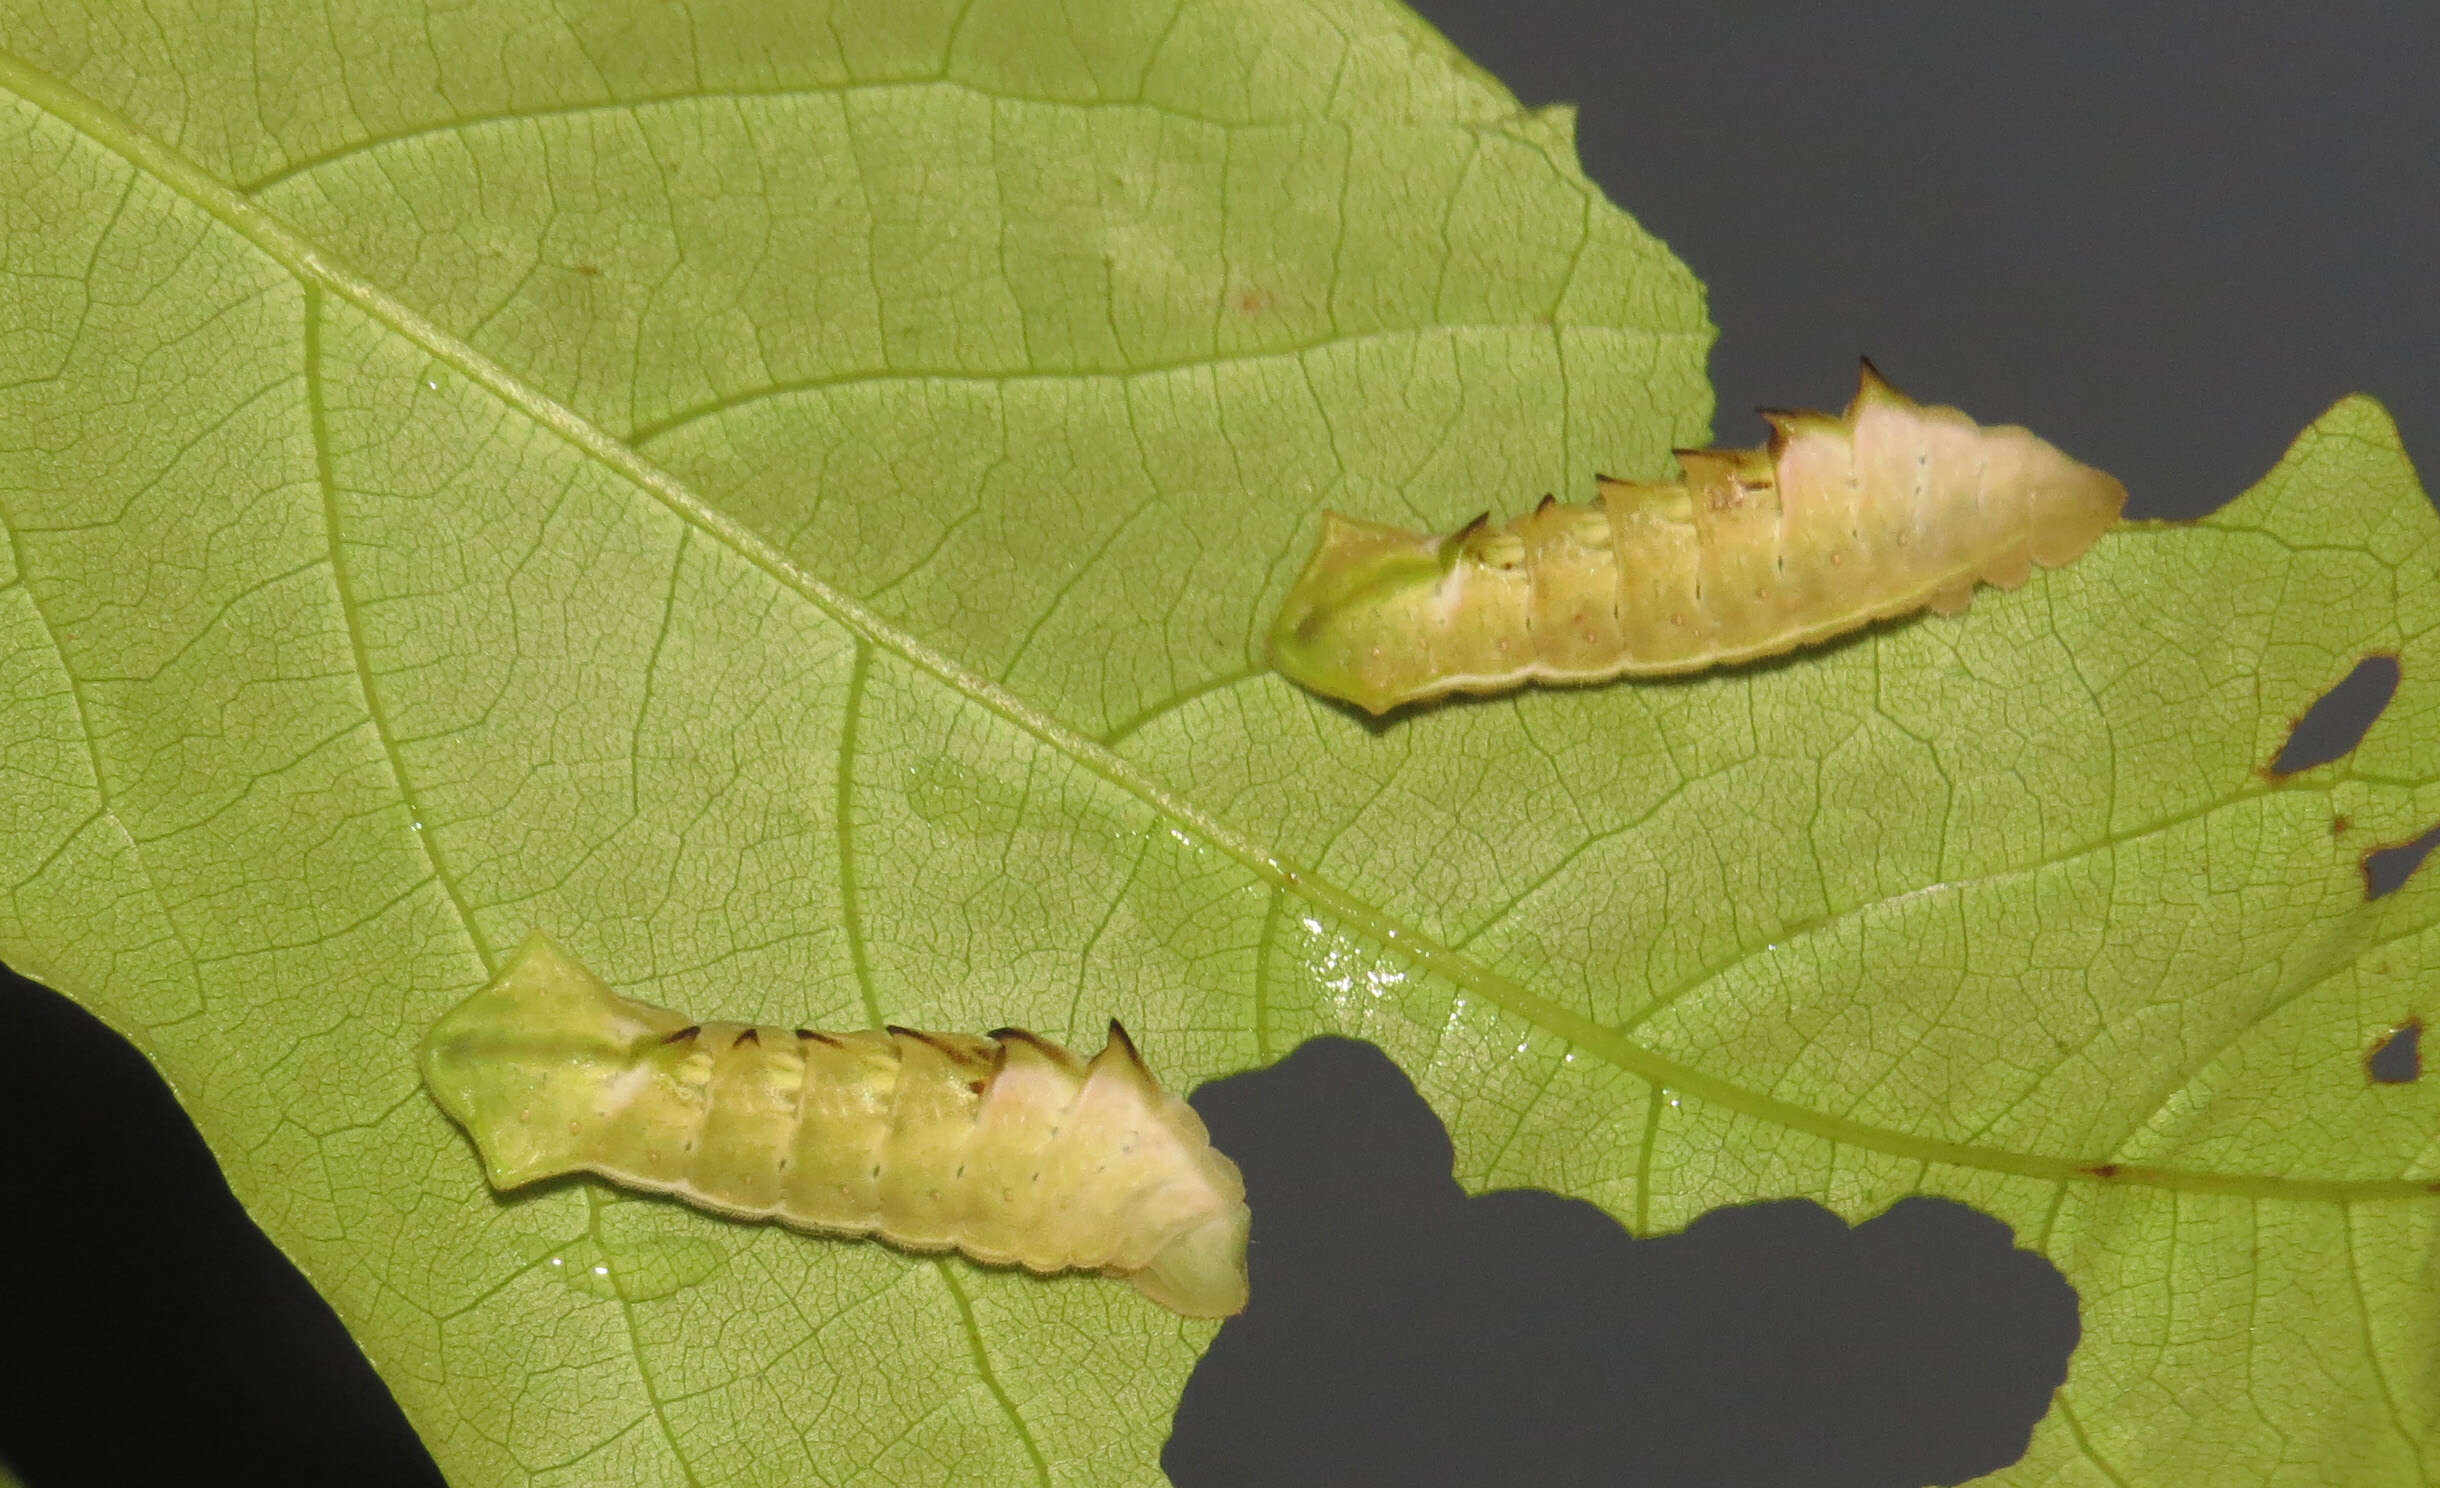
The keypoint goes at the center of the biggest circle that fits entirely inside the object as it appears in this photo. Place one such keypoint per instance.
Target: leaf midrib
(312, 266)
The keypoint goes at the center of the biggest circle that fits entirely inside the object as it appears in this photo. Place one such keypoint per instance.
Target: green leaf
(789, 499)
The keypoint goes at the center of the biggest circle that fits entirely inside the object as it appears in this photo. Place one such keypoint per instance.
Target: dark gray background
(2165, 236)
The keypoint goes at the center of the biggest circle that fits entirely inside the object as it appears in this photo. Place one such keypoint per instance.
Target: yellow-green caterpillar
(1892, 507)
(1006, 1147)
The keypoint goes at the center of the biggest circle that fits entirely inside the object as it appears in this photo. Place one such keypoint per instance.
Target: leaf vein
(990, 1376)
(317, 417)
(314, 266)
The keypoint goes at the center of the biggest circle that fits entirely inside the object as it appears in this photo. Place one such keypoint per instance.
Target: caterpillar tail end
(1201, 1274)
(2072, 508)
(2069, 503)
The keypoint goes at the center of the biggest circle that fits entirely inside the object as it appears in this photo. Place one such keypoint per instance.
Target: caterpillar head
(1348, 626)
(516, 1063)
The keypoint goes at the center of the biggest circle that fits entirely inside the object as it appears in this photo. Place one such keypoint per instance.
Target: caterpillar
(1892, 507)
(1006, 1147)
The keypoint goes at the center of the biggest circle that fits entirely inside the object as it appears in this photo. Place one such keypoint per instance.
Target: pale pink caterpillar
(1006, 1147)
(1892, 507)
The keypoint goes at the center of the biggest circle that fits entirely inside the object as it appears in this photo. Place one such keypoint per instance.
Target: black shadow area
(154, 1335)
(1403, 1332)
(2164, 236)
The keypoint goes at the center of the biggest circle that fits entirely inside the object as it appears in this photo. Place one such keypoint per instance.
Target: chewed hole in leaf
(2397, 1056)
(1404, 1331)
(2338, 718)
(2386, 869)
(2337, 722)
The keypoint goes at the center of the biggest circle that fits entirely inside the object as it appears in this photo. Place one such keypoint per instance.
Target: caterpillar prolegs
(1892, 507)
(1006, 1147)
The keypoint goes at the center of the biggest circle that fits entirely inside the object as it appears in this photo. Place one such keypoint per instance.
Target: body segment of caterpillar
(1890, 508)
(1006, 1147)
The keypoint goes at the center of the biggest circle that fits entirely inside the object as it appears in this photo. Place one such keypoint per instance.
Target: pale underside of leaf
(349, 634)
